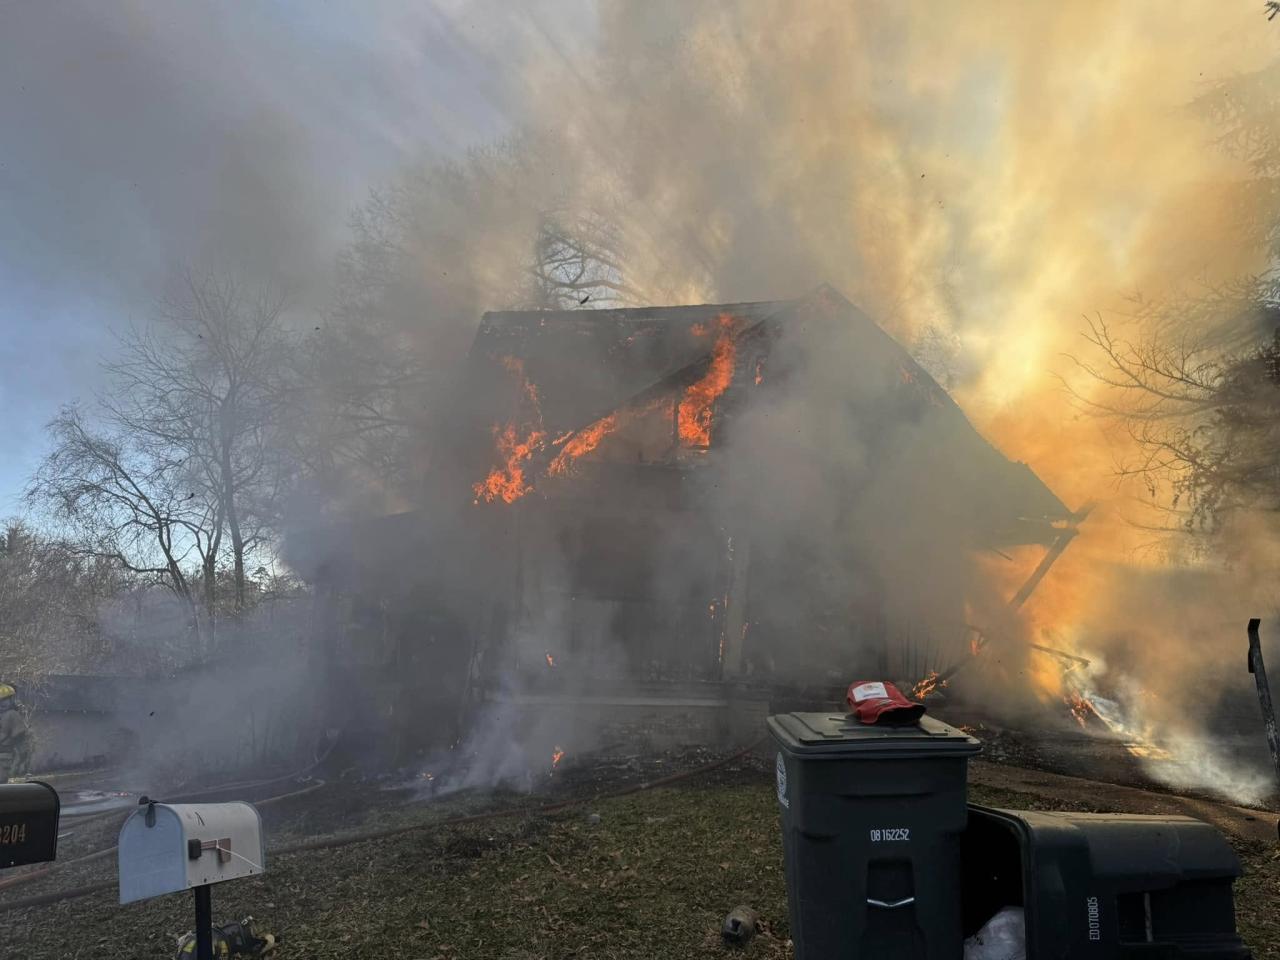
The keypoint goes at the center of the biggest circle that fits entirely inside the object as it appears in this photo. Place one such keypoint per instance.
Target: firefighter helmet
(6, 692)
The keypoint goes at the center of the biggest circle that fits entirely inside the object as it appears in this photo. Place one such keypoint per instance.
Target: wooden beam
(1024, 592)
(1060, 654)
(1259, 671)
(1050, 558)
(735, 612)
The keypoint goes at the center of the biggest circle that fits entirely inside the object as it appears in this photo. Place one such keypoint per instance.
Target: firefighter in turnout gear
(15, 738)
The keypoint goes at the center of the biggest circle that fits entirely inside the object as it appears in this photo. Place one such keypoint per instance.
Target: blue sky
(137, 137)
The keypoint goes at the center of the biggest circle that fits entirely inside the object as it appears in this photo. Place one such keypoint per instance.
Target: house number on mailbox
(13, 833)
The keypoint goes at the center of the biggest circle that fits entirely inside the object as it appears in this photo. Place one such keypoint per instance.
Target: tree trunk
(209, 573)
(229, 499)
(237, 546)
(209, 566)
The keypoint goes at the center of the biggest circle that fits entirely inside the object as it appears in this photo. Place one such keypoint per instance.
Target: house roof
(585, 364)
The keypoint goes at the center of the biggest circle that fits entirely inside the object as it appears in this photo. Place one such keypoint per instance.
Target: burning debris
(1080, 707)
(930, 685)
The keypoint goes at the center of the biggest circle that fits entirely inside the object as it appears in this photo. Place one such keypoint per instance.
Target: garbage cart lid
(835, 735)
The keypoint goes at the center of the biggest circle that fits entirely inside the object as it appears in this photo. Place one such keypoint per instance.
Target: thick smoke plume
(979, 176)
(976, 177)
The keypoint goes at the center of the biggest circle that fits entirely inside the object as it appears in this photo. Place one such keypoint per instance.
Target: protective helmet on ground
(6, 692)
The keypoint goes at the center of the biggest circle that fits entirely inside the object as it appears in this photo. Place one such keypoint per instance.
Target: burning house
(632, 462)
(659, 502)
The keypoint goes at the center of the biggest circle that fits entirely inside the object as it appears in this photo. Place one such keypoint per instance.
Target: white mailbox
(169, 847)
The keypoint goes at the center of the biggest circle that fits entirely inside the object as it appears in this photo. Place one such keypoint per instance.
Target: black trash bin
(1105, 886)
(872, 819)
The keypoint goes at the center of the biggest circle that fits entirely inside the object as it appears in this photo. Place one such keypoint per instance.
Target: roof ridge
(638, 312)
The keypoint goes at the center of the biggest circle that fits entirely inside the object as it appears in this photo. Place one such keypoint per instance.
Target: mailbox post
(28, 823)
(204, 922)
(171, 847)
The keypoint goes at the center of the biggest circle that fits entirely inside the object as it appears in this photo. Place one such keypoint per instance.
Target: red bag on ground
(874, 701)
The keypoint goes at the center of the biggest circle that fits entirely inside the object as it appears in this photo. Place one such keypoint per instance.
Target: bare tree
(1202, 401)
(428, 254)
(577, 261)
(119, 500)
(939, 350)
(31, 613)
(182, 464)
(63, 610)
(1194, 375)
(206, 381)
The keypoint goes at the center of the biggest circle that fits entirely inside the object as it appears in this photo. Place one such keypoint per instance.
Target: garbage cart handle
(905, 902)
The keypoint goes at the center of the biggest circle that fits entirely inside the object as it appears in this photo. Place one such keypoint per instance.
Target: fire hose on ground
(383, 833)
(205, 795)
(191, 796)
(10, 882)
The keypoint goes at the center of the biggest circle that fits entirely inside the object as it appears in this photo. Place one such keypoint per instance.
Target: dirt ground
(652, 878)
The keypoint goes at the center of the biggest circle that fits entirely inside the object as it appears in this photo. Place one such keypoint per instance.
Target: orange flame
(551, 661)
(530, 389)
(697, 409)
(514, 447)
(507, 481)
(1081, 708)
(556, 756)
(929, 685)
(582, 443)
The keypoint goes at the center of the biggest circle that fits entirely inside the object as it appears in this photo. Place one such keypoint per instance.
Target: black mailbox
(28, 823)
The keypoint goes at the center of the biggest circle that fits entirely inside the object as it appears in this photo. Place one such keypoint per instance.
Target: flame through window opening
(517, 443)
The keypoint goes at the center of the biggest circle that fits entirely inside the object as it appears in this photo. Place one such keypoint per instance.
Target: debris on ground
(740, 926)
